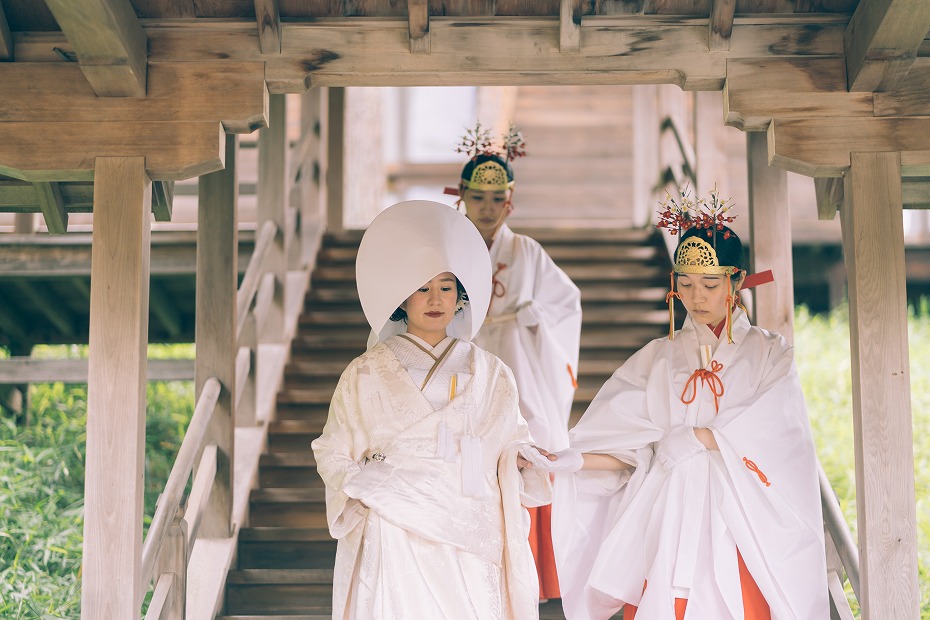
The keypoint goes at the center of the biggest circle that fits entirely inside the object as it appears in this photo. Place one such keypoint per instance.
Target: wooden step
(278, 598)
(287, 508)
(301, 411)
(288, 576)
(286, 548)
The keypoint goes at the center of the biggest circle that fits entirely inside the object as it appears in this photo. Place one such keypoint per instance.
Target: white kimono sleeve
(338, 451)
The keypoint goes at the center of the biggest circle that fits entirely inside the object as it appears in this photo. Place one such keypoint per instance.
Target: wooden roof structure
(117, 99)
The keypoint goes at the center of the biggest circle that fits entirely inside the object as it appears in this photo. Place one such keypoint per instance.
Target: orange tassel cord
(707, 377)
(751, 466)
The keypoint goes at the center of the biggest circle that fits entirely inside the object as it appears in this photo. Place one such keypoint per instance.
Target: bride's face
(431, 308)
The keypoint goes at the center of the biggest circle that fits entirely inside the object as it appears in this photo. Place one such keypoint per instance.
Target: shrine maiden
(534, 320)
(420, 451)
(697, 495)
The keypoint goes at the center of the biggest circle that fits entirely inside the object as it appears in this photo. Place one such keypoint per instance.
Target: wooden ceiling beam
(109, 41)
(418, 26)
(268, 16)
(233, 93)
(570, 26)
(52, 206)
(758, 90)
(720, 25)
(912, 97)
(162, 200)
(66, 151)
(821, 147)
(6, 37)
(882, 41)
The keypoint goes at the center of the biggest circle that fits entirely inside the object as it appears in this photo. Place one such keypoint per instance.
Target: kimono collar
(503, 238)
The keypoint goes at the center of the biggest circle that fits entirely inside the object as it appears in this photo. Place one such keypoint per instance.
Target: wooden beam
(6, 37)
(770, 239)
(720, 24)
(268, 17)
(17, 370)
(114, 480)
(217, 279)
(873, 244)
(882, 41)
(829, 193)
(52, 205)
(821, 147)
(163, 310)
(418, 26)
(109, 42)
(162, 200)
(24, 224)
(912, 97)
(233, 93)
(569, 26)
(49, 308)
(50, 151)
(506, 52)
(758, 90)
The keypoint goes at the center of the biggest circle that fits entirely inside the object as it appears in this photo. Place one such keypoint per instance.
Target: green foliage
(42, 486)
(823, 358)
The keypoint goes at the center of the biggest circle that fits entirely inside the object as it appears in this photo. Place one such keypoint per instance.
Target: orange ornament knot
(751, 466)
(571, 374)
(497, 287)
(707, 377)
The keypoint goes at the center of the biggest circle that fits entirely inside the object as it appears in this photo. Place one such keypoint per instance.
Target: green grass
(42, 485)
(42, 465)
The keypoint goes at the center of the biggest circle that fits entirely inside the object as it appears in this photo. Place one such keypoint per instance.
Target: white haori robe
(534, 326)
(412, 544)
(679, 517)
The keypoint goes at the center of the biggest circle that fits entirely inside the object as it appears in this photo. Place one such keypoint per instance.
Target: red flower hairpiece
(680, 213)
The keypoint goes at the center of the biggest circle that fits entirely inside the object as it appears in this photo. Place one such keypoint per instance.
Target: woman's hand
(706, 437)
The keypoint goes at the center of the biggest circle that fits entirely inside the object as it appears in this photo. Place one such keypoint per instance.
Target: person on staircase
(694, 491)
(534, 322)
(420, 453)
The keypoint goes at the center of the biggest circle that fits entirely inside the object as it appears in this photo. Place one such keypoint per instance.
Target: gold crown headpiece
(695, 254)
(491, 175)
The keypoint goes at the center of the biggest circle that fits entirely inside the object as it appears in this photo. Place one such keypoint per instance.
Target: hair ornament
(695, 254)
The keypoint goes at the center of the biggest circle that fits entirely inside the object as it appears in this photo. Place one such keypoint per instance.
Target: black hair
(477, 160)
(401, 315)
(728, 246)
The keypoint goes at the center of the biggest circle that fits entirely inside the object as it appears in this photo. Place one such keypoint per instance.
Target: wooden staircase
(285, 556)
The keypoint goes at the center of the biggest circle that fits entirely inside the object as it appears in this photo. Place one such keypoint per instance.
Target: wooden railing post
(272, 206)
(172, 560)
(873, 244)
(312, 180)
(113, 485)
(215, 333)
(335, 150)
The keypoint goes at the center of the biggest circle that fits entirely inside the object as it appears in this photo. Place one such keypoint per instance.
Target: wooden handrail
(839, 531)
(170, 499)
(253, 272)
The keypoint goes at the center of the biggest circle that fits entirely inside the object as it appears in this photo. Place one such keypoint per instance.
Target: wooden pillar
(335, 170)
(215, 331)
(24, 223)
(873, 243)
(119, 307)
(770, 238)
(645, 150)
(313, 174)
(272, 206)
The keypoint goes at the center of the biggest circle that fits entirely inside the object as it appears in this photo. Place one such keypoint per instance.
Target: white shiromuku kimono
(414, 541)
(534, 326)
(677, 520)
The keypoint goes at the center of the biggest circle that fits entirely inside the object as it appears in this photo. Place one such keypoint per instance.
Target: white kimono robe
(534, 326)
(679, 518)
(411, 543)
